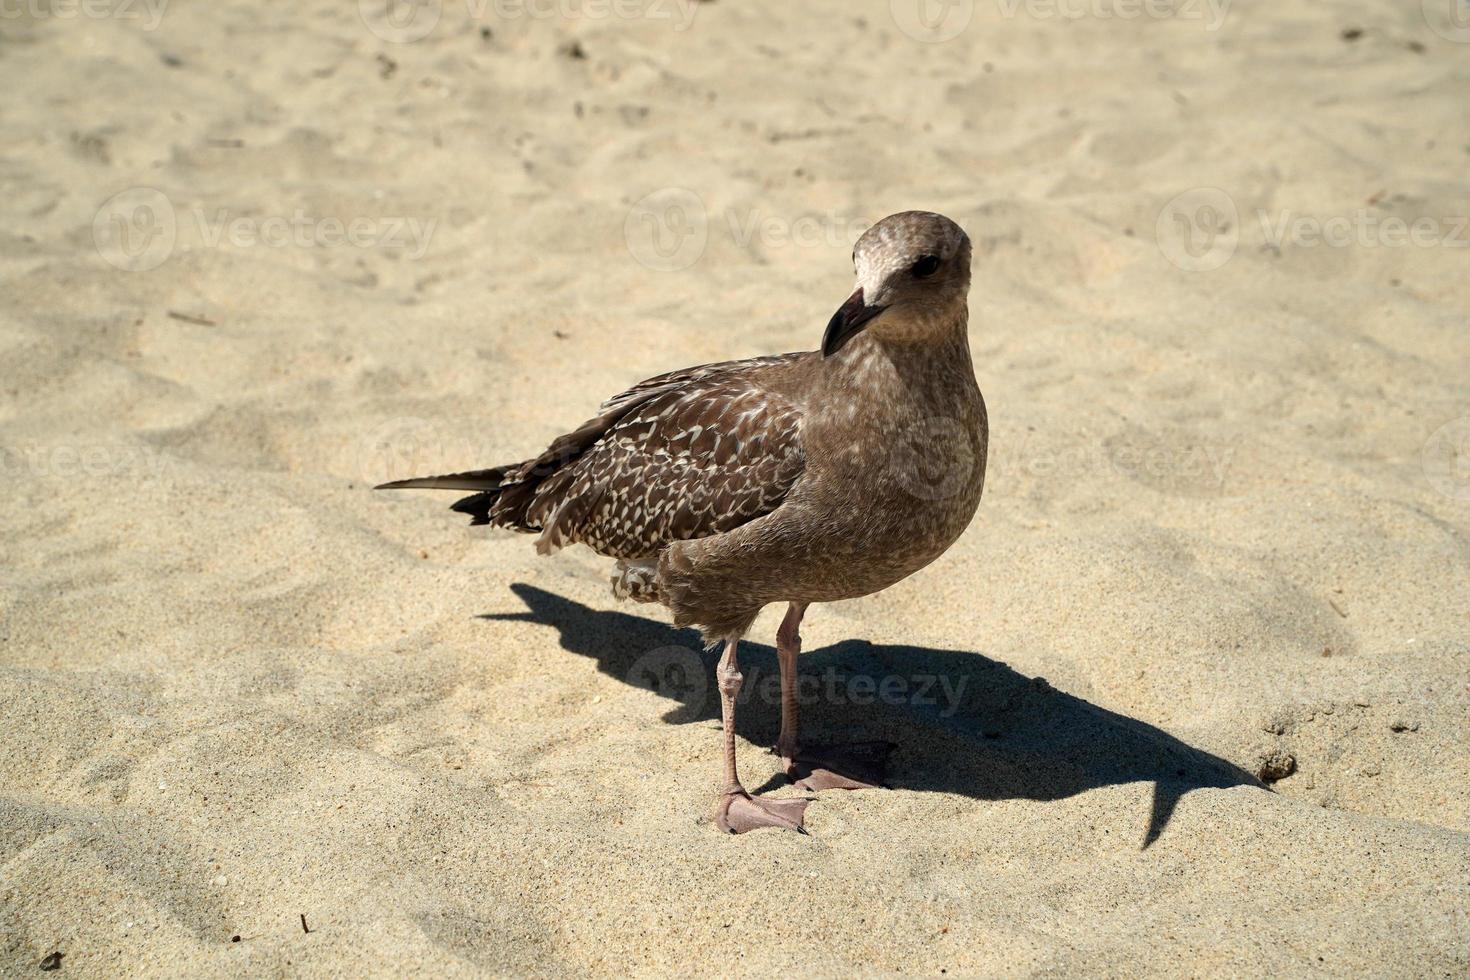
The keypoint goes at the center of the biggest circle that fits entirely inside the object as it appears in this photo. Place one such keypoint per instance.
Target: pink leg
(738, 810)
(788, 647)
(856, 766)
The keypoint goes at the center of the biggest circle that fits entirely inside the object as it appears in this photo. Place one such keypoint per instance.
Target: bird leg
(738, 810)
(788, 647)
(858, 765)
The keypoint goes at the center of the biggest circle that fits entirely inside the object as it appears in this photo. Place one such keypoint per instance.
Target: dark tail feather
(487, 482)
(475, 480)
(478, 506)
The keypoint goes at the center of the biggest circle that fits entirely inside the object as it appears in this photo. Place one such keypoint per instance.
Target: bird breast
(896, 463)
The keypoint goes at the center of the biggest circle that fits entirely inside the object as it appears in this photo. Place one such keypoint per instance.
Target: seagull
(796, 478)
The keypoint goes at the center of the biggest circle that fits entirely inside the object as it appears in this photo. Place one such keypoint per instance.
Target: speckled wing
(749, 368)
(691, 454)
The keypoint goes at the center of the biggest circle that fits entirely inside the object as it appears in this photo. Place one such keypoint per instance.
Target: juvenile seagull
(795, 478)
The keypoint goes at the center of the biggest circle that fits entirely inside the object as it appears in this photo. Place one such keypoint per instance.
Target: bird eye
(926, 266)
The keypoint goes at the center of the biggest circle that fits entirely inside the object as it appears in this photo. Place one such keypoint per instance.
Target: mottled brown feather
(679, 456)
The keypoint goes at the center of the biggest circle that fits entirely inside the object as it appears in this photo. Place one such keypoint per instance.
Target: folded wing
(683, 455)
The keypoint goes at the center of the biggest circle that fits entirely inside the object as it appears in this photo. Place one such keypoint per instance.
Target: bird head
(913, 277)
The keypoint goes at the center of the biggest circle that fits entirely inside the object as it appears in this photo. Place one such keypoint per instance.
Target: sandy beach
(1191, 697)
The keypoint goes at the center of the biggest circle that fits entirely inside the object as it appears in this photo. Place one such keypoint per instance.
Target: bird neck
(914, 349)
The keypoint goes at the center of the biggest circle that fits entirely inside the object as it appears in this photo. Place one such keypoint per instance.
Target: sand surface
(258, 257)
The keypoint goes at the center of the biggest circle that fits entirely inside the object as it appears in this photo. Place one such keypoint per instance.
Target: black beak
(846, 323)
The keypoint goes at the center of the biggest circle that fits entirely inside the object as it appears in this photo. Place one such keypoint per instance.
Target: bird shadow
(965, 724)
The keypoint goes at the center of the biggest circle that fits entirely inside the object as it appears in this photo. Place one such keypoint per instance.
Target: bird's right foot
(739, 811)
(856, 765)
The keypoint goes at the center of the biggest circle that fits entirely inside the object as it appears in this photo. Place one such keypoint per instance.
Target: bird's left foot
(737, 812)
(856, 765)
